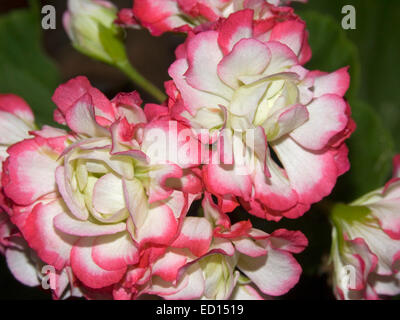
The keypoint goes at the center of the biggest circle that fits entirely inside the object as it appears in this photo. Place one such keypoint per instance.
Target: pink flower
(366, 244)
(219, 251)
(160, 16)
(246, 92)
(88, 199)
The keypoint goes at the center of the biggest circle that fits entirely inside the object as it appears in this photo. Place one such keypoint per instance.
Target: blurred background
(33, 62)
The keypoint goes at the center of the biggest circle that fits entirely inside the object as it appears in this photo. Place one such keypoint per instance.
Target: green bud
(90, 26)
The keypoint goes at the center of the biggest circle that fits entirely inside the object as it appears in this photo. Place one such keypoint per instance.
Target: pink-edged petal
(12, 128)
(52, 246)
(20, 263)
(249, 247)
(81, 118)
(213, 213)
(227, 179)
(387, 212)
(204, 56)
(275, 192)
(290, 33)
(87, 270)
(158, 188)
(282, 58)
(194, 99)
(238, 26)
(69, 93)
(196, 235)
(248, 57)
(69, 225)
(292, 241)
(337, 82)
(163, 232)
(114, 252)
(274, 274)
(245, 292)
(327, 117)
(17, 106)
(190, 287)
(30, 171)
(167, 267)
(291, 119)
(312, 175)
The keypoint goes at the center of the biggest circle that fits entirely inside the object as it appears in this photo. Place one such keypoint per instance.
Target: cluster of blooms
(366, 243)
(106, 201)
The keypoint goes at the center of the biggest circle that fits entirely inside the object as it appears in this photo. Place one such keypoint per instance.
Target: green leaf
(24, 67)
(331, 48)
(371, 151)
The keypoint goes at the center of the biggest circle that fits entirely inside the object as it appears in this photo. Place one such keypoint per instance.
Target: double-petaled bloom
(105, 206)
(366, 244)
(89, 199)
(160, 16)
(278, 128)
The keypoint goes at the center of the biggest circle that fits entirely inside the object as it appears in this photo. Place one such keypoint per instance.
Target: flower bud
(90, 26)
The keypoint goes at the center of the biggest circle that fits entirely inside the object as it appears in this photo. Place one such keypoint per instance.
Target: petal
(194, 99)
(30, 171)
(52, 246)
(248, 57)
(87, 270)
(337, 82)
(114, 252)
(12, 128)
(196, 235)
(68, 94)
(238, 26)
(17, 106)
(312, 175)
(204, 56)
(167, 267)
(108, 196)
(274, 274)
(245, 292)
(290, 33)
(327, 117)
(21, 265)
(163, 232)
(69, 225)
(81, 118)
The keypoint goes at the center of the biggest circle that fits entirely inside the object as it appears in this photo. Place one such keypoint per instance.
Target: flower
(87, 199)
(160, 16)
(223, 251)
(17, 123)
(90, 26)
(246, 91)
(366, 244)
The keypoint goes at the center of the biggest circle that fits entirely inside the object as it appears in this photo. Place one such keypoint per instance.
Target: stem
(141, 81)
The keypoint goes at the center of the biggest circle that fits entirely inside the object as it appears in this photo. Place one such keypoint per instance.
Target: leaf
(331, 48)
(24, 67)
(371, 151)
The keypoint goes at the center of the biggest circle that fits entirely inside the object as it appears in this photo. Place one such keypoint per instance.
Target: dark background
(372, 51)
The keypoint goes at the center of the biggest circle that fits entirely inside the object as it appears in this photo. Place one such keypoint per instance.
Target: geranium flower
(220, 251)
(245, 90)
(366, 244)
(88, 199)
(160, 16)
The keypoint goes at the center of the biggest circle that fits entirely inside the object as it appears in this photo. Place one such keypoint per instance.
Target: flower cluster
(107, 202)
